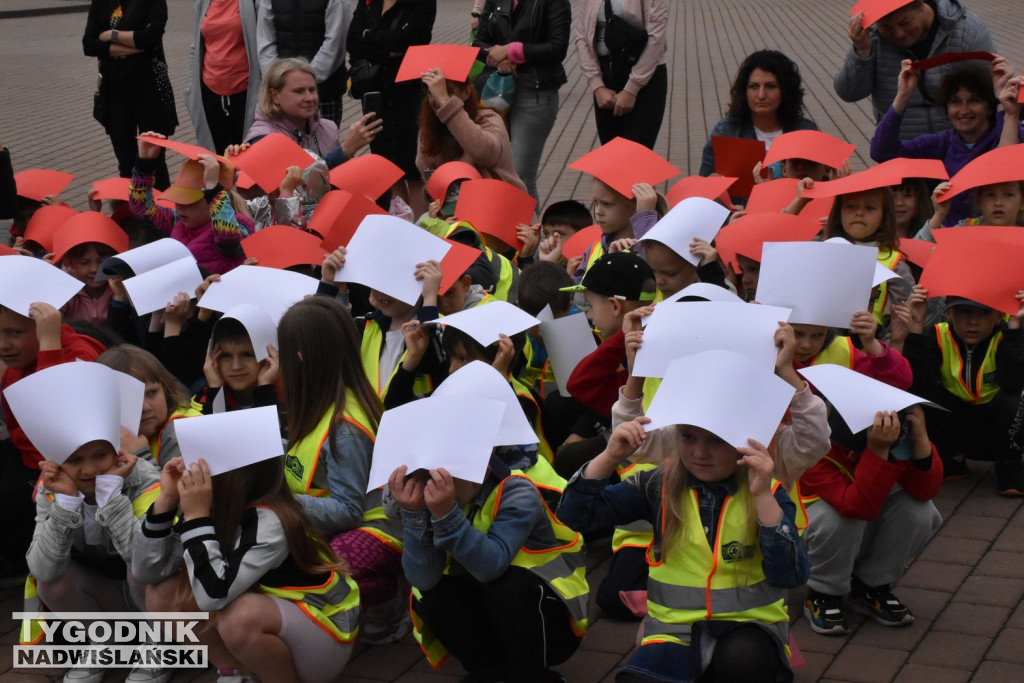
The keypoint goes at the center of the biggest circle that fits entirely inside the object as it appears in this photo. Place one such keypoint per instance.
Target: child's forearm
(227, 228)
(768, 511)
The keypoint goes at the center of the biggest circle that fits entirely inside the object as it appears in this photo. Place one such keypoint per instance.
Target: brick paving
(966, 588)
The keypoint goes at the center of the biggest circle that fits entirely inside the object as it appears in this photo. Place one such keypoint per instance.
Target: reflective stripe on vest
(543, 447)
(954, 370)
(302, 459)
(333, 605)
(694, 582)
(386, 530)
(369, 353)
(888, 258)
(154, 443)
(839, 352)
(638, 534)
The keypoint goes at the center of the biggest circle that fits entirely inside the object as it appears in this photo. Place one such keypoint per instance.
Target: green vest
(369, 353)
(333, 605)
(956, 369)
(888, 258)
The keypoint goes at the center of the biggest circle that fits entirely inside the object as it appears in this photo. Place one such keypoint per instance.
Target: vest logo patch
(734, 551)
(989, 378)
(294, 465)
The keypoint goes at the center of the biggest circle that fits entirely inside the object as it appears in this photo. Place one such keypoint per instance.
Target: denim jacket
(347, 477)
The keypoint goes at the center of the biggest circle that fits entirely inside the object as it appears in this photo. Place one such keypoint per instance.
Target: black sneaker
(880, 604)
(825, 614)
(1010, 478)
(955, 470)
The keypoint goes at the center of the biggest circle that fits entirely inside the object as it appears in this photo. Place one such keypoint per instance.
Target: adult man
(915, 30)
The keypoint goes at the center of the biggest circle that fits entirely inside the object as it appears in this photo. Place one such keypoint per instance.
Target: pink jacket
(651, 14)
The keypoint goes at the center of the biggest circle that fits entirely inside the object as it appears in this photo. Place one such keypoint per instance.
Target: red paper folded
(980, 263)
(710, 187)
(812, 145)
(876, 9)
(283, 246)
(455, 61)
(950, 57)
(266, 161)
(88, 226)
(369, 175)
(1001, 165)
(455, 263)
(620, 164)
(577, 244)
(183, 148)
(736, 157)
(44, 223)
(747, 234)
(495, 208)
(110, 188)
(37, 183)
(918, 252)
(446, 174)
(338, 215)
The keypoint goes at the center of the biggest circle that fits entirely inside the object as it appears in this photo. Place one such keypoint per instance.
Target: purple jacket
(321, 136)
(947, 146)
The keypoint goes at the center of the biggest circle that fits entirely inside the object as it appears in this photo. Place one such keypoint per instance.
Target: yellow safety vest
(693, 581)
(638, 534)
(369, 352)
(838, 352)
(539, 376)
(651, 385)
(154, 443)
(543, 447)
(503, 289)
(888, 258)
(332, 605)
(955, 371)
(561, 567)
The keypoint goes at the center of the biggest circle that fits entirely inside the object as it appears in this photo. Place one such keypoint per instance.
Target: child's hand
(624, 244)
(434, 208)
(760, 467)
(213, 378)
(407, 491)
(529, 235)
(633, 329)
(506, 353)
(883, 433)
(47, 325)
(50, 200)
(551, 248)
(906, 84)
(168, 499)
(430, 274)
(646, 197)
(623, 442)
(1014, 322)
(900, 321)
(918, 432)
(176, 313)
(211, 170)
(703, 250)
(417, 341)
(57, 480)
(292, 179)
(205, 313)
(270, 368)
(865, 326)
(940, 209)
(844, 170)
(573, 264)
(917, 305)
(235, 150)
(117, 287)
(634, 340)
(195, 491)
(147, 150)
(439, 493)
(785, 342)
(131, 443)
(124, 464)
(333, 262)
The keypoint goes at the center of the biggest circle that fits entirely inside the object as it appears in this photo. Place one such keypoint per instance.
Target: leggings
(82, 588)
(316, 655)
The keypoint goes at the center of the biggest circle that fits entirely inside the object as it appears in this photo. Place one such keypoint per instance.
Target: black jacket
(542, 26)
(388, 36)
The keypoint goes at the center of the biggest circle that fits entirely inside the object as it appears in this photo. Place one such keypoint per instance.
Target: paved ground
(966, 587)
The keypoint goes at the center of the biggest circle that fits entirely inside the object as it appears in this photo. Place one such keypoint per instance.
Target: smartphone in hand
(372, 104)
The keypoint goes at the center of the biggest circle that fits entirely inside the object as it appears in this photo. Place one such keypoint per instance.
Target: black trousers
(129, 115)
(225, 116)
(628, 572)
(18, 510)
(990, 431)
(512, 628)
(641, 125)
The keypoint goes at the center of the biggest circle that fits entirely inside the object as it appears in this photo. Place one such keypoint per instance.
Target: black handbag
(99, 102)
(364, 77)
(624, 41)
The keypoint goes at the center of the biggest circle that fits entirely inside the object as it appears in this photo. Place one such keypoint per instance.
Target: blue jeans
(530, 120)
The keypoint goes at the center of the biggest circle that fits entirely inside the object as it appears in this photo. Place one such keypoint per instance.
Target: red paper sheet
(110, 188)
(267, 160)
(1002, 164)
(44, 223)
(7, 251)
(876, 9)
(950, 57)
(812, 145)
(918, 252)
(622, 163)
(369, 175)
(495, 208)
(183, 148)
(980, 263)
(711, 187)
(577, 244)
(747, 234)
(37, 183)
(88, 226)
(736, 158)
(283, 246)
(338, 215)
(775, 195)
(455, 61)
(454, 264)
(445, 174)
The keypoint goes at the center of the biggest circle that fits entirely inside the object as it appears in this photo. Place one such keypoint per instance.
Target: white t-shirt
(390, 353)
(767, 137)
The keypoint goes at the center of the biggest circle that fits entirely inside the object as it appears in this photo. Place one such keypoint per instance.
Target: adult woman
(531, 43)
(453, 127)
(288, 105)
(380, 33)
(767, 99)
(968, 94)
(629, 89)
(225, 72)
(134, 93)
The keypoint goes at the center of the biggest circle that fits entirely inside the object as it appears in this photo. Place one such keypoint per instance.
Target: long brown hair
(435, 138)
(885, 236)
(319, 361)
(144, 366)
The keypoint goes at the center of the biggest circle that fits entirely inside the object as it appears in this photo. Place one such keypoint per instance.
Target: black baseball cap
(622, 275)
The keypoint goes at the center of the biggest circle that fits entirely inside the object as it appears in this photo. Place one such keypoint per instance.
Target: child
(285, 610)
(231, 368)
(333, 413)
(622, 220)
(911, 203)
(869, 514)
(203, 218)
(93, 300)
(166, 400)
(973, 366)
(500, 580)
(689, 631)
(560, 221)
(999, 204)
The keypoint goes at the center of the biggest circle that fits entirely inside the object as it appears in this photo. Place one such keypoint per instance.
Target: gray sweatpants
(875, 551)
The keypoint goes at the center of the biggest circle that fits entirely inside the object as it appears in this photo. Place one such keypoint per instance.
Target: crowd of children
(716, 503)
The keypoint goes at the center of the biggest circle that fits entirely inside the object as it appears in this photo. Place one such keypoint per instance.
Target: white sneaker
(141, 674)
(83, 674)
(235, 676)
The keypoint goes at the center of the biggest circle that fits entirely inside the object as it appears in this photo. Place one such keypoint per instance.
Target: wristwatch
(475, 15)
(113, 36)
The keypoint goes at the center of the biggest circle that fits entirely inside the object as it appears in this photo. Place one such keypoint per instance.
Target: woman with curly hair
(767, 99)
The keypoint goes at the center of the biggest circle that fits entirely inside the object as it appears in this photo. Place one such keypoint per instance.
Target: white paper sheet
(824, 283)
(701, 290)
(133, 394)
(882, 274)
(88, 398)
(481, 380)
(858, 397)
(25, 280)
(692, 217)
(227, 441)
(724, 393)
(156, 288)
(143, 259)
(685, 328)
(270, 289)
(383, 254)
(453, 432)
(485, 322)
(262, 330)
(546, 314)
(568, 340)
